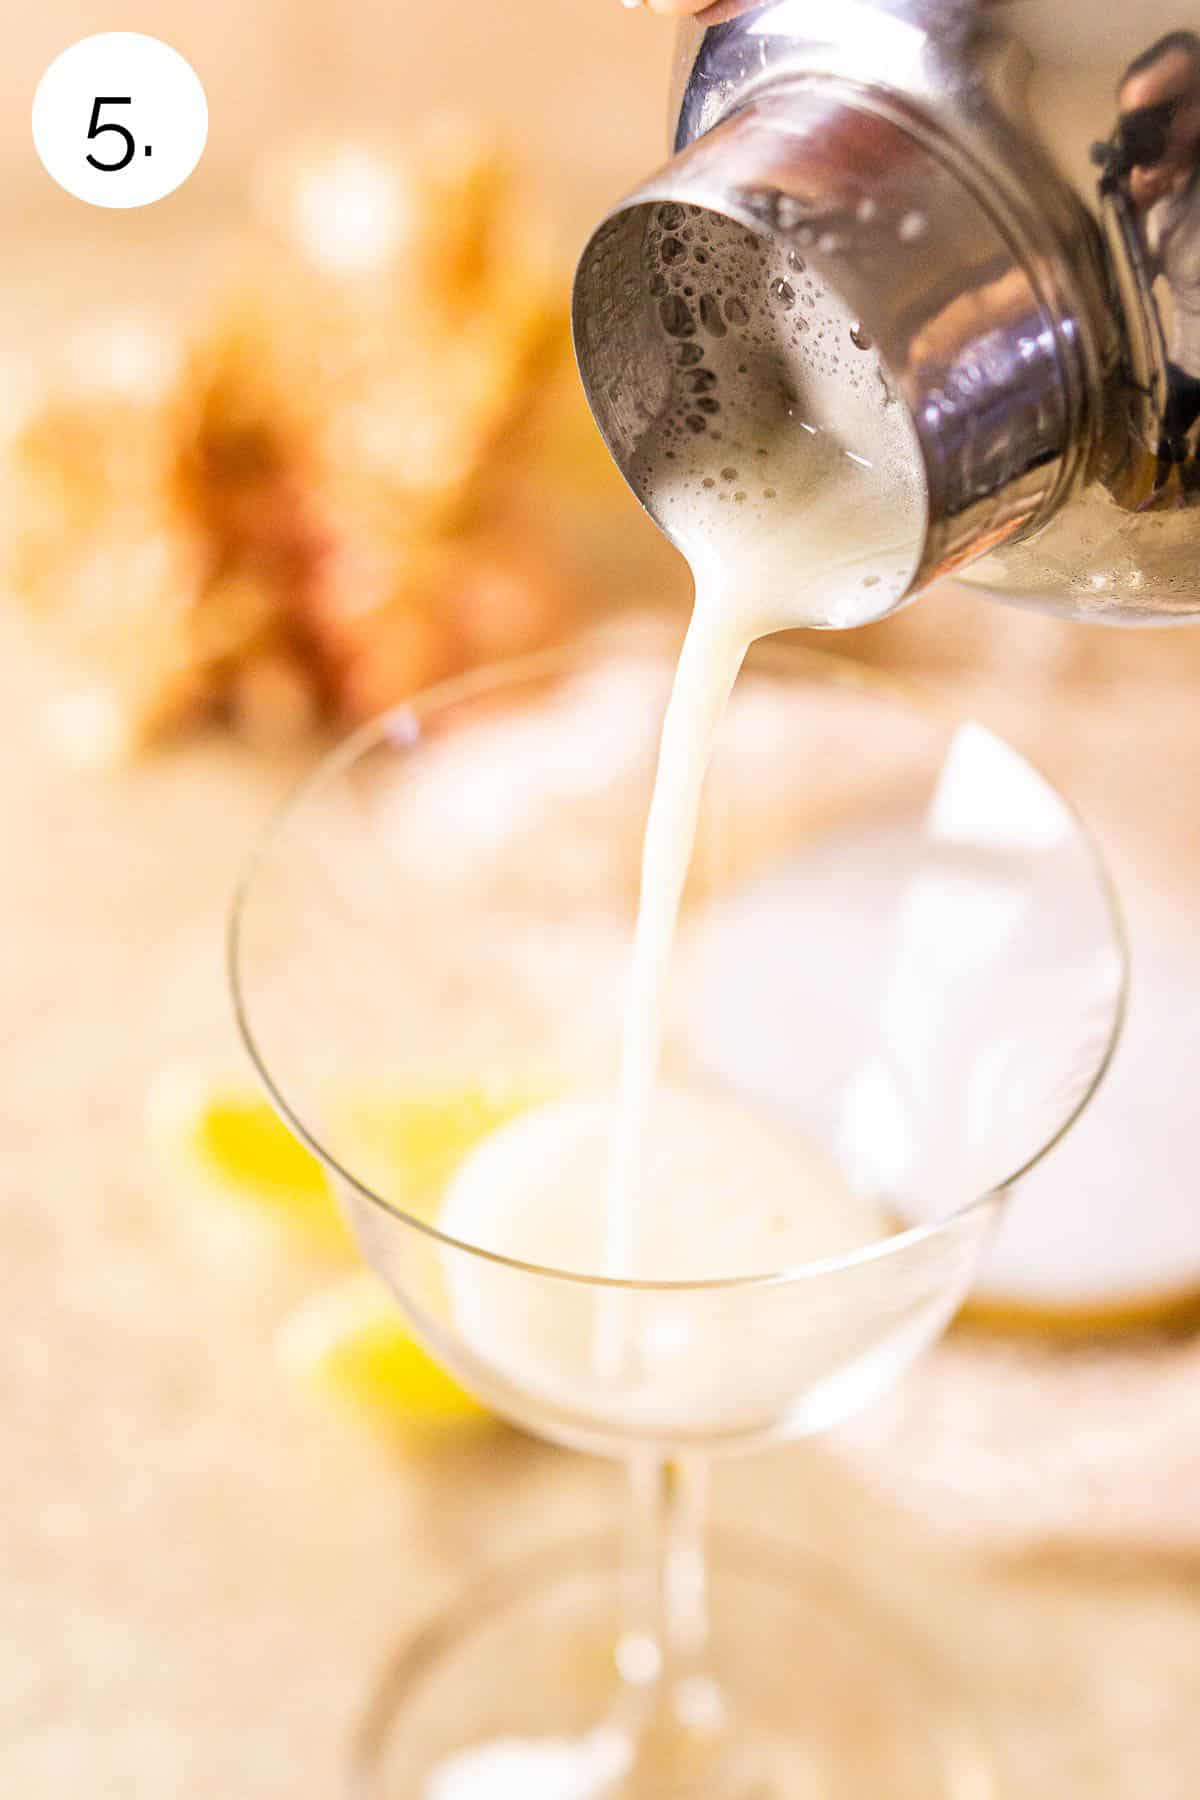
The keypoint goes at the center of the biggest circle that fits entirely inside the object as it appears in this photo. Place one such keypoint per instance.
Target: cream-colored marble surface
(201, 1567)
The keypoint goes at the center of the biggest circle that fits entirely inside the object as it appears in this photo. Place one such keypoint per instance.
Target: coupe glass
(898, 943)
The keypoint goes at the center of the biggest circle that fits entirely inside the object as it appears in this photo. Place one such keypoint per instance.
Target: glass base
(514, 1696)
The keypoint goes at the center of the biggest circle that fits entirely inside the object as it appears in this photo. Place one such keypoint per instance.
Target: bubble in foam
(672, 250)
(671, 216)
(676, 316)
(710, 315)
(658, 285)
(743, 287)
(860, 337)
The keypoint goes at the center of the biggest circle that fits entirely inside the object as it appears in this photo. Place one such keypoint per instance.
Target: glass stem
(663, 1647)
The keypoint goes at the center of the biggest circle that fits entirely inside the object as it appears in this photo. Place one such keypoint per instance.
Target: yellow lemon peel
(352, 1342)
(349, 1339)
(230, 1147)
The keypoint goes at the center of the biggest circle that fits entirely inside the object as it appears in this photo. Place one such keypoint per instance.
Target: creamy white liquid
(806, 509)
(808, 514)
(724, 1195)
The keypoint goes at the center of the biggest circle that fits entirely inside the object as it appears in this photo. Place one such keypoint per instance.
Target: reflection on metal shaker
(1042, 325)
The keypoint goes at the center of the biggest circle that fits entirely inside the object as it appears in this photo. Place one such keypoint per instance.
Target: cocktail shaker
(1006, 195)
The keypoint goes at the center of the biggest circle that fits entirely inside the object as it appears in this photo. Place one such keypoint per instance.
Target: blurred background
(278, 450)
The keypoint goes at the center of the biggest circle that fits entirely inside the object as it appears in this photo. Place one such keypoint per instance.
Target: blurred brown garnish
(342, 486)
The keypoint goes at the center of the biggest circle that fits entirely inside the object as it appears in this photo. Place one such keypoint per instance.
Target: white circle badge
(120, 119)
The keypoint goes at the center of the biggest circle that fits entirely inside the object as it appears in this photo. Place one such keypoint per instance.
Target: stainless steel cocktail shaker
(1007, 194)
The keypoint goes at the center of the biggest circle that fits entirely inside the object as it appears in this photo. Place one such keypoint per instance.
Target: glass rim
(398, 724)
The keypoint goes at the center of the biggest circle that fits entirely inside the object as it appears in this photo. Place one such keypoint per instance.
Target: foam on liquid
(782, 463)
(725, 1194)
(789, 476)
